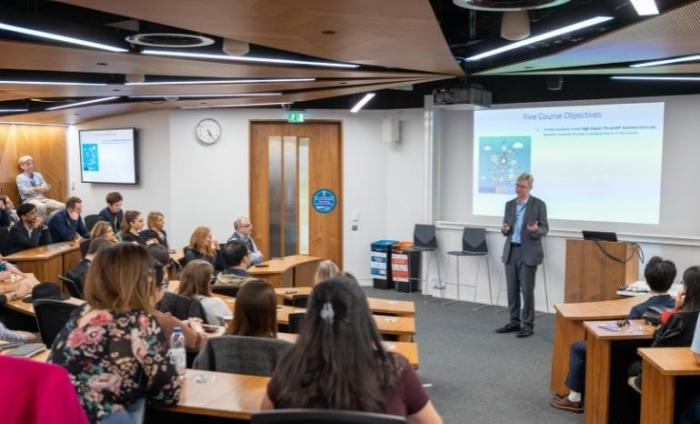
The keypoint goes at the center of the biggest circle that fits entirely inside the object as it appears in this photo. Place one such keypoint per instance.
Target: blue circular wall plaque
(324, 200)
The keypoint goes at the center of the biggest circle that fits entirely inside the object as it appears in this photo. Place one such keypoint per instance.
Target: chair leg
(476, 287)
(448, 302)
(499, 309)
(546, 291)
(488, 270)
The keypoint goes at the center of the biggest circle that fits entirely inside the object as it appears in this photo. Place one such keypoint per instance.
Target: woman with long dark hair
(338, 362)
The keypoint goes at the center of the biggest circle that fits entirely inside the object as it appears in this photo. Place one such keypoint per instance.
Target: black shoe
(525, 332)
(508, 328)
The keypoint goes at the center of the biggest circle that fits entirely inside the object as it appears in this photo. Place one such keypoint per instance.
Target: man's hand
(533, 227)
(73, 214)
(38, 223)
(505, 228)
(13, 269)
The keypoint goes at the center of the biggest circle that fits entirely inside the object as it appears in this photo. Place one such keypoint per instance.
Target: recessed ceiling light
(86, 102)
(645, 7)
(233, 81)
(248, 59)
(667, 61)
(653, 78)
(51, 83)
(236, 105)
(62, 38)
(537, 38)
(158, 96)
(359, 105)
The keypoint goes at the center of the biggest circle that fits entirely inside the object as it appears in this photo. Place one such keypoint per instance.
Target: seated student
(255, 348)
(155, 223)
(112, 346)
(659, 275)
(195, 337)
(113, 213)
(10, 291)
(195, 280)
(339, 362)
(8, 213)
(243, 231)
(101, 229)
(32, 186)
(131, 226)
(29, 232)
(237, 259)
(202, 246)
(66, 225)
(78, 272)
(326, 269)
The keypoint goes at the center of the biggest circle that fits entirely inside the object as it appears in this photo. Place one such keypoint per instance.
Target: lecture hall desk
(660, 367)
(568, 328)
(376, 305)
(47, 262)
(599, 362)
(290, 271)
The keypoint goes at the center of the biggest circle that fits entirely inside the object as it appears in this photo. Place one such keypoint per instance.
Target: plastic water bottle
(177, 347)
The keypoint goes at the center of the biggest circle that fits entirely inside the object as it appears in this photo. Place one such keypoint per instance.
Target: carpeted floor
(478, 376)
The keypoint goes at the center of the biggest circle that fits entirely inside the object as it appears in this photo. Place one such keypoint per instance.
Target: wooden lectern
(593, 275)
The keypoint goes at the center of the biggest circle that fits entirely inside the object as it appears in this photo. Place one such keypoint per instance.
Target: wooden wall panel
(48, 147)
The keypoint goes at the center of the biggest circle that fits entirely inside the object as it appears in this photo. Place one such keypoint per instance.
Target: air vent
(170, 40)
(508, 5)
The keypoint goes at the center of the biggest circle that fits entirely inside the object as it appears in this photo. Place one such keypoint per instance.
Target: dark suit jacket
(115, 220)
(19, 238)
(531, 242)
(63, 228)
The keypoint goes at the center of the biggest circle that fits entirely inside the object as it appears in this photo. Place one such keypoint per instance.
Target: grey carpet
(479, 376)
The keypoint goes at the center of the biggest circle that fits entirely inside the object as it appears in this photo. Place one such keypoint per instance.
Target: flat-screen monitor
(108, 156)
(599, 235)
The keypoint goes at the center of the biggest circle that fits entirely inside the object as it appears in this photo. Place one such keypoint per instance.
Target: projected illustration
(501, 161)
(91, 160)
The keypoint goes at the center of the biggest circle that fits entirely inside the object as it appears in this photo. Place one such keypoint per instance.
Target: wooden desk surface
(28, 308)
(277, 266)
(638, 330)
(228, 395)
(42, 253)
(676, 361)
(376, 305)
(606, 309)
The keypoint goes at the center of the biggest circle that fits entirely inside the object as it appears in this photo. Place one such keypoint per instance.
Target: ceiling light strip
(547, 35)
(13, 110)
(653, 78)
(239, 81)
(61, 38)
(359, 105)
(51, 83)
(645, 7)
(189, 55)
(235, 105)
(83, 103)
(666, 61)
(160, 96)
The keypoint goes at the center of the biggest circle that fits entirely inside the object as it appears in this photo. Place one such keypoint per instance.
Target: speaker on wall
(391, 130)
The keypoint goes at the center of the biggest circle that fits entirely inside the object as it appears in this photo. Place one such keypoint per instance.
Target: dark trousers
(576, 379)
(520, 279)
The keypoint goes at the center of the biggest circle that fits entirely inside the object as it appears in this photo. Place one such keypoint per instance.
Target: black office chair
(322, 416)
(4, 240)
(425, 240)
(474, 244)
(90, 221)
(296, 321)
(230, 291)
(51, 316)
(72, 286)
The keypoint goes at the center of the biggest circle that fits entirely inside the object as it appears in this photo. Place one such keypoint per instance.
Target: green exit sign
(295, 116)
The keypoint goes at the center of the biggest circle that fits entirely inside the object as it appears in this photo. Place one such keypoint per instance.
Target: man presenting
(524, 224)
(242, 231)
(31, 187)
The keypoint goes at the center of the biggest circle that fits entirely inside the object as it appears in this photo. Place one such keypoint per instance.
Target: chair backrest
(296, 320)
(241, 355)
(51, 316)
(181, 307)
(90, 221)
(72, 287)
(474, 240)
(4, 240)
(230, 291)
(300, 301)
(425, 236)
(322, 416)
(84, 247)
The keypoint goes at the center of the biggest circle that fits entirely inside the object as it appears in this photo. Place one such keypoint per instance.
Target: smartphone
(3, 266)
(208, 328)
(262, 265)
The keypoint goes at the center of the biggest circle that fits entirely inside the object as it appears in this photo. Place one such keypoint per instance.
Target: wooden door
(288, 164)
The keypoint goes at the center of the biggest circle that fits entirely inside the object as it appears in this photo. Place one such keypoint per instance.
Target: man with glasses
(524, 224)
(242, 231)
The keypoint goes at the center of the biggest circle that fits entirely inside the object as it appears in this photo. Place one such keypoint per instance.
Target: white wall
(677, 238)
(194, 185)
